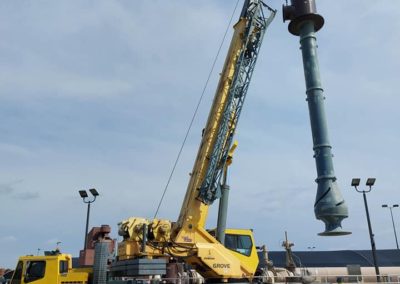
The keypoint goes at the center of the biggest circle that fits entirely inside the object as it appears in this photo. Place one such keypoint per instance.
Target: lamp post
(370, 182)
(85, 199)
(391, 214)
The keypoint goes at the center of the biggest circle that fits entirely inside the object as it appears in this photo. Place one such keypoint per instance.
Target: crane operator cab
(241, 243)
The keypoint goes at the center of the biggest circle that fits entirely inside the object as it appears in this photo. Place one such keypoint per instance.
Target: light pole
(391, 214)
(84, 196)
(311, 248)
(370, 182)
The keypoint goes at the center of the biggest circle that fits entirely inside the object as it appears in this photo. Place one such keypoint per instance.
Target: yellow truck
(54, 269)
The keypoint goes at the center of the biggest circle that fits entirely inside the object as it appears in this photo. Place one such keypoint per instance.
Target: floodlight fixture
(83, 193)
(394, 226)
(370, 181)
(355, 182)
(88, 201)
(94, 192)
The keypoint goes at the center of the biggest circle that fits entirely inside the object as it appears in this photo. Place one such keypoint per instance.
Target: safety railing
(270, 279)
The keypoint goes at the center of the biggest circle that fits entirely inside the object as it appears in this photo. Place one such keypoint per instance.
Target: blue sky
(100, 93)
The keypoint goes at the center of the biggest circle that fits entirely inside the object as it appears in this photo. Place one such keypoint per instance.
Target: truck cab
(48, 269)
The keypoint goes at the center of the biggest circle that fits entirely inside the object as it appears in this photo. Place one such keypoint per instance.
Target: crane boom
(204, 184)
(188, 238)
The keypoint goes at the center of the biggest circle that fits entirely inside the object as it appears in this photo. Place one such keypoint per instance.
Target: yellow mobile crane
(187, 238)
(153, 247)
(148, 246)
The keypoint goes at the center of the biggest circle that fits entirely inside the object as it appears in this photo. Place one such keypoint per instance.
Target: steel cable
(196, 110)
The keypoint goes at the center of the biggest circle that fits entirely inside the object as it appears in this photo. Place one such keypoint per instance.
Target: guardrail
(390, 278)
(306, 279)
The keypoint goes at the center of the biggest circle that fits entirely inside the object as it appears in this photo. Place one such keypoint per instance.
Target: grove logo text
(222, 265)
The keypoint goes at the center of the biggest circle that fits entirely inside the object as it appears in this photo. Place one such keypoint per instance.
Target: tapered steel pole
(87, 225)
(370, 182)
(84, 195)
(371, 236)
(394, 227)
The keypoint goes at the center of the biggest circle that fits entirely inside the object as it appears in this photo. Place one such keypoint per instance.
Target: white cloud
(26, 195)
(8, 239)
(53, 241)
(5, 189)
(99, 95)
(15, 150)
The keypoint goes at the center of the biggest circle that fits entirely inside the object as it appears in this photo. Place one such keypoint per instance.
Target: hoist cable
(196, 110)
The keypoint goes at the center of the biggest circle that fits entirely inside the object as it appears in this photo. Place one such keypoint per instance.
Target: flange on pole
(329, 206)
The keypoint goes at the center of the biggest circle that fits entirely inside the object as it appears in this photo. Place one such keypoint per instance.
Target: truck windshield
(34, 270)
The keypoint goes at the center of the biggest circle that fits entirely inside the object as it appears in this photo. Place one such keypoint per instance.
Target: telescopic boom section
(204, 184)
(187, 239)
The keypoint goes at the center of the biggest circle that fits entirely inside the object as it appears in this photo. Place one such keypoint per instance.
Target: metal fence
(309, 279)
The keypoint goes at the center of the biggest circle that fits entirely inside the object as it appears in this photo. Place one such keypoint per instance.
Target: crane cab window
(239, 243)
(35, 270)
